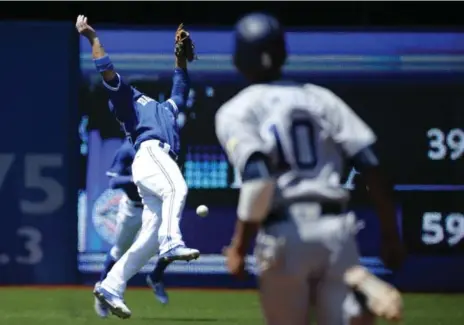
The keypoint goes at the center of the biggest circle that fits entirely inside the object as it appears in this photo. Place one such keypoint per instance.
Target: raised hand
(84, 28)
(184, 48)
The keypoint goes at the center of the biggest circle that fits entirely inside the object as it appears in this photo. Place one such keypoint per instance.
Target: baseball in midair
(202, 210)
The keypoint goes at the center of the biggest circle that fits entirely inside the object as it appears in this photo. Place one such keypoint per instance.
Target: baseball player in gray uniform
(291, 143)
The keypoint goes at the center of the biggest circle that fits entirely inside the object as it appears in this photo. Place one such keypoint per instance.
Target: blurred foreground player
(152, 128)
(290, 143)
(129, 221)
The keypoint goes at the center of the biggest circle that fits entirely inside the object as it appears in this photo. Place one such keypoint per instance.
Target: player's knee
(179, 191)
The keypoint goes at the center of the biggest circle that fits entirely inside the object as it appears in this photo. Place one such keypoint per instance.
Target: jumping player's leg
(155, 280)
(145, 246)
(162, 177)
(129, 221)
(128, 224)
(174, 194)
(157, 274)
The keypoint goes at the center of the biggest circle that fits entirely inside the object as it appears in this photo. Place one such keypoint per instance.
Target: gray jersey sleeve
(348, 129)
(238, 133)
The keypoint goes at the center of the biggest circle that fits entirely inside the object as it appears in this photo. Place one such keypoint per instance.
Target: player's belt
(283, 214)
(164, 146)
(167, 148)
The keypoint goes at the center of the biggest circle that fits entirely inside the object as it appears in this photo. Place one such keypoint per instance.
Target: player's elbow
(255, 200)
(181, 84)
(365, 159)
(256, 167)
(257, 189)
(178, 103)
(111, 77)
(111, 81)
(378, 183)
(179, 191)
(105, 67)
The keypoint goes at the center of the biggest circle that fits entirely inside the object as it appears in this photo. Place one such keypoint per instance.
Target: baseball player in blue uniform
(129, 221)
(151, 127)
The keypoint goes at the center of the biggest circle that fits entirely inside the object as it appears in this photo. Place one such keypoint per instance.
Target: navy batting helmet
(259, 45)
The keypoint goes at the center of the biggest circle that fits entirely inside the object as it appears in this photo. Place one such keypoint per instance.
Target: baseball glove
(184, 46)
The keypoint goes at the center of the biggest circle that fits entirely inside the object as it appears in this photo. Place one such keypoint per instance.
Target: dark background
(356, 14)
(400, 111)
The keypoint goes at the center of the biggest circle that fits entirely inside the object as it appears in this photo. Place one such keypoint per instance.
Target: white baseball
(202, 210)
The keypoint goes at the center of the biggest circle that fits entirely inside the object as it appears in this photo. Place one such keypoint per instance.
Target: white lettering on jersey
(144, 100)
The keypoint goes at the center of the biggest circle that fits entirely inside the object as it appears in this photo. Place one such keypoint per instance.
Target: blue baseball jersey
(143, 118)
(120, 172)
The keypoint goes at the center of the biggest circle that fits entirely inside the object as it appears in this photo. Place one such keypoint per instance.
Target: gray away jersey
(306, 130)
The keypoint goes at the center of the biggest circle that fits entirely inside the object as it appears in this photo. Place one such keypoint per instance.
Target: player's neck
(266, 77)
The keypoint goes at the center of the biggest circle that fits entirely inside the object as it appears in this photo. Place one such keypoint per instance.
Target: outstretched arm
(180, 85)
(380, 191)
(181, 63)
(101, 59)
(184, 52)
(120, 93)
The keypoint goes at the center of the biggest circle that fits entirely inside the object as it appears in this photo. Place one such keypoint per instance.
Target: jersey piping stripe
(171, 202)
(173, 103)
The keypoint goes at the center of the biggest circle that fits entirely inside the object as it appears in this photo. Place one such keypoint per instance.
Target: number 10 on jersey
(296, 146)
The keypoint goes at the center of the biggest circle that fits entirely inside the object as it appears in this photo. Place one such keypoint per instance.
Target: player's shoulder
(326, 100)
(240, 103)
(322, 94)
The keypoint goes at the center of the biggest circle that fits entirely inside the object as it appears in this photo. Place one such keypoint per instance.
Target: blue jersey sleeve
(122, 97)
(122, 162)
(180, 90)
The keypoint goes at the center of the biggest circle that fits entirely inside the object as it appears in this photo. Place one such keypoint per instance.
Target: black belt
(282, 214)
(171, 153)
(161, 144)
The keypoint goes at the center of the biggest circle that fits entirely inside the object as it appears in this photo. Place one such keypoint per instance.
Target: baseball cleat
(113, 302)
(180, 253)
(382, 299)
(158, 290)
(100, 309)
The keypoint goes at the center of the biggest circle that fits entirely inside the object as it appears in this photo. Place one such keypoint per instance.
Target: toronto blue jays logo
(105, 214)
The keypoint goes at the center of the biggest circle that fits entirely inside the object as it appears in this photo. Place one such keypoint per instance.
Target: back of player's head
(260, 49)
